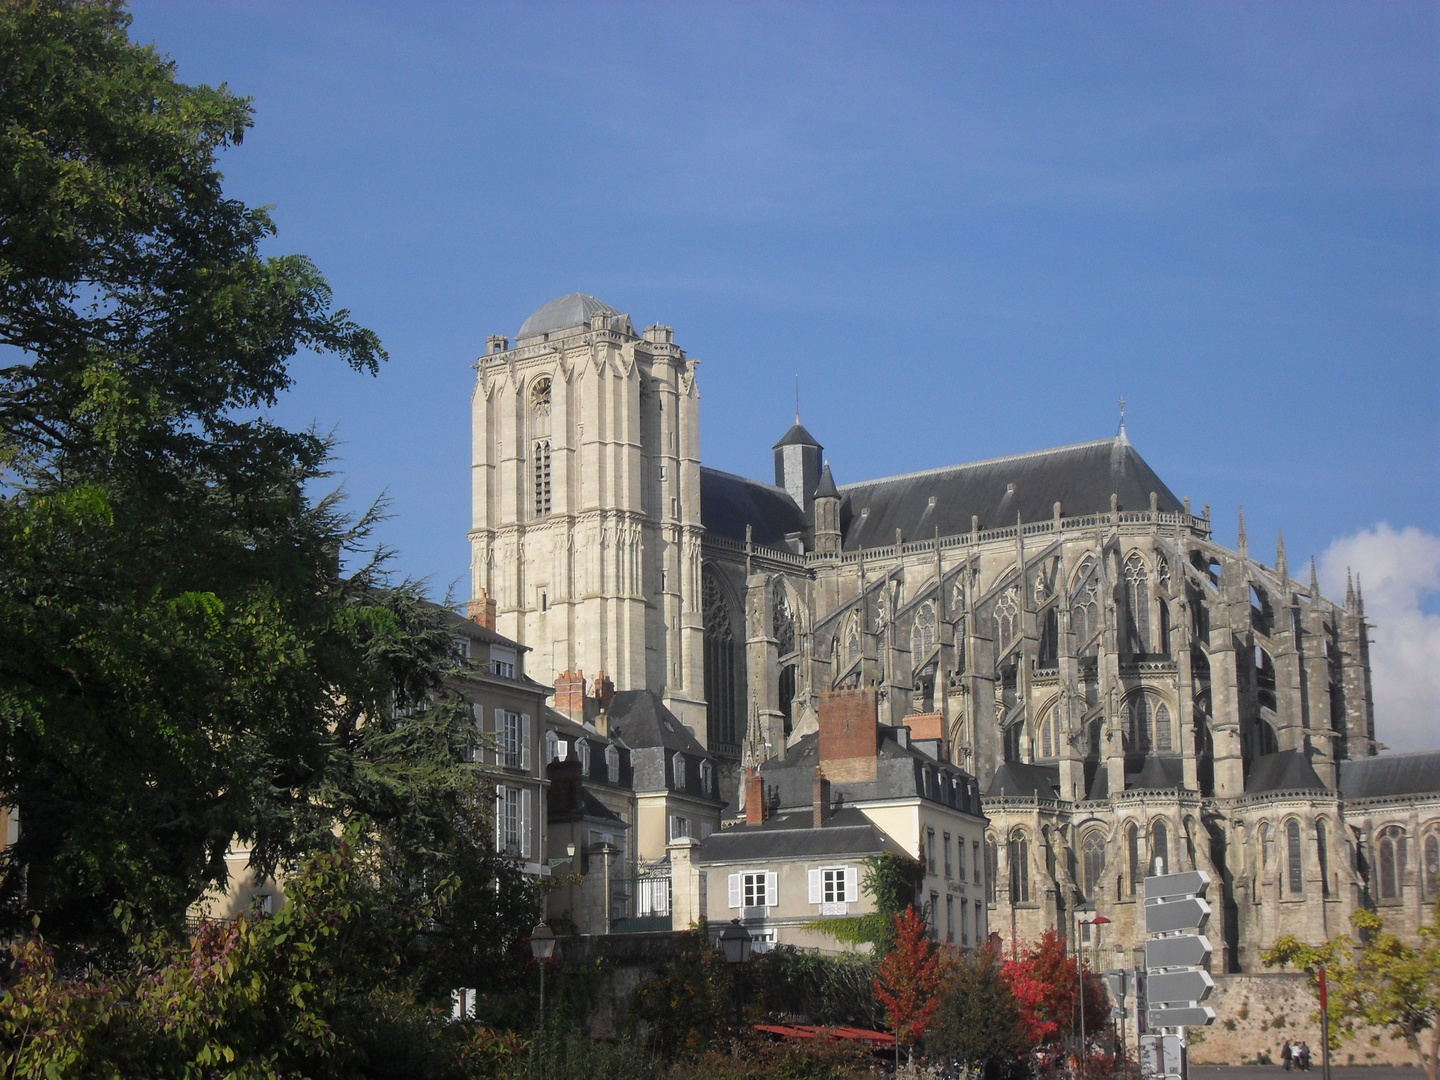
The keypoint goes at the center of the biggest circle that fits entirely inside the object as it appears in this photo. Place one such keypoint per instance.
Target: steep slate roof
(1081, 478)
(563, 313)
(1157, 774)
(640, 719)
(1288, 770)
(1391, 774)
(796, 436)
(728, 503)
(794, 836)
(826, 488)
(1018, 778)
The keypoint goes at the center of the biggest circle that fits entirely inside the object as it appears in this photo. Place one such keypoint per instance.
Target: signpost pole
(1324, 1029)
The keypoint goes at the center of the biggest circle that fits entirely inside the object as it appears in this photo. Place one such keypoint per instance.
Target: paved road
(1275, 1072)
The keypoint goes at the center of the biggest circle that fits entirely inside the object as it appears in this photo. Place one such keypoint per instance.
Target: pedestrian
(1304, 1055)
(1286, 1055)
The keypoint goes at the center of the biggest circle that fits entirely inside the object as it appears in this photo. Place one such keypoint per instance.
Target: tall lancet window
(1137, 603)
(1007, 617)
(540, 391)
(1085, 609)
(782, 619)
(719, 665)
(542, 477)
(922, 639)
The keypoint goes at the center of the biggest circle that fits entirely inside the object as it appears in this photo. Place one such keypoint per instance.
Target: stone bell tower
(585, 493)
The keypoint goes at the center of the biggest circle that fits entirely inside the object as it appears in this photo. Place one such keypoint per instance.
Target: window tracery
(1430, 867)
(1163, 736)
(1294, 867)
(1392, 862)
(923, 637)
(1137, 603)
(1019, 867)
(1085, 607)
(541, 466)
(1092, 861)
(1007, 617)
(782, 619)
(719, 662)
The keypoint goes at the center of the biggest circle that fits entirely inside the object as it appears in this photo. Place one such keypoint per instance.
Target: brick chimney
(754, 798)
(570, 695)
(604, 694)
(849, 734)
(822, 798)
(481, 610)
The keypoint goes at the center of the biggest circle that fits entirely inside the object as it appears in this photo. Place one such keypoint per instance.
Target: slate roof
(1157, 774)
(728, 503)
(1288, 770)
(563, 313)
(1080, 478)
(797, 436)
(826, 488)
(640, 719)
(475, 632)
(794, 836)
(1391, 774)
(1018, 778)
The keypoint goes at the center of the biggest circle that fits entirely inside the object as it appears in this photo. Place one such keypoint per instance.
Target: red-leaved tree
(1044, 983)
(909, 981)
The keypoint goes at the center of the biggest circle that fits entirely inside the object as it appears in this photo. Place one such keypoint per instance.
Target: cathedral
(1128, 692)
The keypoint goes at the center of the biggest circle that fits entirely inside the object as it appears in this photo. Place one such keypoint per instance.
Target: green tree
(892, 882)
(178, 653)
(1381, 982)
(978, 1021)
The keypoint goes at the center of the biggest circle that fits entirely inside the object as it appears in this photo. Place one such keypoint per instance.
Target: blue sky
(970, 228)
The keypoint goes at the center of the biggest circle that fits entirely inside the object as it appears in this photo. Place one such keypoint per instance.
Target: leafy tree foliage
(909, 979)
(1044, 983)
(892, 882)
(180, 661)
(978, 1021)
(1381, 983)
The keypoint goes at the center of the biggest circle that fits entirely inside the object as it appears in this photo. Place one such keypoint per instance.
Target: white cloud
(1397, 571)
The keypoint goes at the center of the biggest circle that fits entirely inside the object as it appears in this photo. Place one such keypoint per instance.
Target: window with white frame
(460, 647)
(754, 889)
(502, 662)
(930, 850)
(677, 771)
(582, 751)
(512, 821)
(612, 764)
(834, 888)
(512, 739)
(707, 777)
(552, 747)
(679, 826)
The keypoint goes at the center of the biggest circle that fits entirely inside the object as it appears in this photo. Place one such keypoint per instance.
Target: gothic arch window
(1430, 867)
(1132, 855)
(1007, 617)
(1294, 864)
(852, 637)
(1139, 715)
(787, 697)
(540, 465)
(1267, 847)
(782, 619)
(1048, 654)
(1322, 850)
(1048, 745)
(1137, 604)
(1092, 861)
(1019, 867)
(1162, 643)
(1164, 736)
(1159, 848)
(992, 868)
(922, 639)
(1085, 608)
(720, 720)
(1392, 862)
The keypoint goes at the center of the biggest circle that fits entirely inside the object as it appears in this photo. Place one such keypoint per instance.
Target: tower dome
(575, 310)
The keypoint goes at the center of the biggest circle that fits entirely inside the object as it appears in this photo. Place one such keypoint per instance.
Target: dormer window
(552, 747)
(502, 662)
(460, 648)
(707, 777)
(612, 764)
(582, 749)
(677, 771)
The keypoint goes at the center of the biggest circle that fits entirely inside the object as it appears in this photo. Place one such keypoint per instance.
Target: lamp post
(736, 943)
(542, 947)
(1099, 920)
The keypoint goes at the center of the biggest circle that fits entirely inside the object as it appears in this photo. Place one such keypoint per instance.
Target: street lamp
(542, 947)
(736, 943)
(1099, 920)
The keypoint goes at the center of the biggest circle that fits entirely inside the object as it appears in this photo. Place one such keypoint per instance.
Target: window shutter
(852, 885)
(500, 818)
(772, 890)
(734, 884)
(499, 736)
(525, 823)
(816, 896)
(525, 741)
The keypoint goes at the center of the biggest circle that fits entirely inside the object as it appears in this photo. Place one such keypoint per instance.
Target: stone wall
(1255, 1014)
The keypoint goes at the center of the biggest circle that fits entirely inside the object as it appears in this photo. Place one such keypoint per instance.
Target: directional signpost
(1175, 913)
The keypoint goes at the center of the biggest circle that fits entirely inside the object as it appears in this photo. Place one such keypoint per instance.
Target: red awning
(874, 1039)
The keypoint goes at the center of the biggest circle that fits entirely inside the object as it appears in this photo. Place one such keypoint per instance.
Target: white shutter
(525, 823)
(499, 736)
(772, 888)
(734, 884)
(816, 896)
(500, 818)
(525, 741)
(852, 885)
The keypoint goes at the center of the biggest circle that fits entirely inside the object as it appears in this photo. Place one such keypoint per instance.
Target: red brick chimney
(754, 798)
(570, 695)
(849, 734)
(481, 610)
(822, 798)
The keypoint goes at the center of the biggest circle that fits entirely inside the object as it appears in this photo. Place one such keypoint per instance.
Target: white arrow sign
(1190, 883)
(1180, 987)
(1194, 1016)
(1187, 914)
(1182, 950)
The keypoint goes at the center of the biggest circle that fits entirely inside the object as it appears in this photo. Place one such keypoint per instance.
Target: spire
(797, 397)
(1349, 590)
(1314, 583)
(1244, 541)
(1121, 433)
(1281, 567)
(1359, 597)
(826, 489)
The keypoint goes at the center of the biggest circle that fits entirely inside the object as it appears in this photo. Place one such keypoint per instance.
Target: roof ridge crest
(1111, 441)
